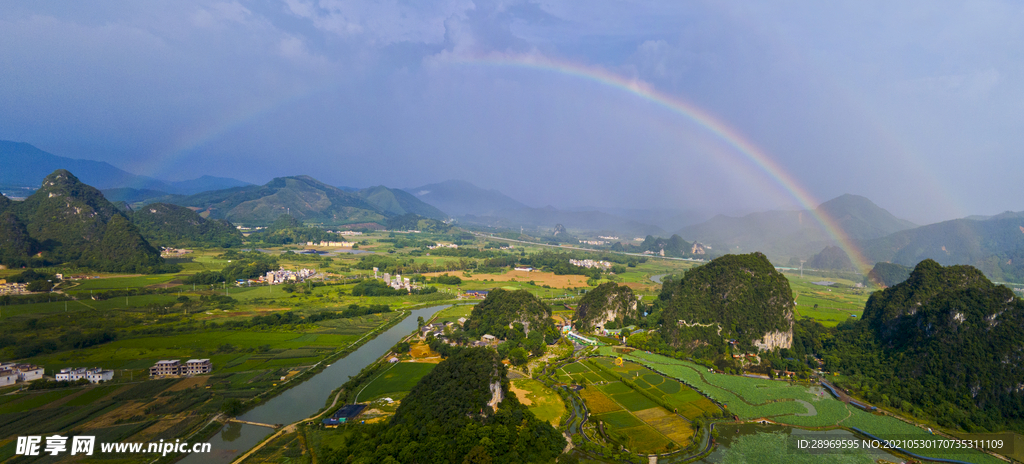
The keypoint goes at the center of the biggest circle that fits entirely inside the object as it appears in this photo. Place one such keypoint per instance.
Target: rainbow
(696, 115)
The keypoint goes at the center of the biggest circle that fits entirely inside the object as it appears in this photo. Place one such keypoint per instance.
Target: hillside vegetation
(608, 302)
(446, 418)
(72, 222)
(171, 225)
(946, 343)
(742, 295)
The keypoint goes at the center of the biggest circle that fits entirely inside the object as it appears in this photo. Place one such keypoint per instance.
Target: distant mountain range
(474, 205)
(994, 245)
(25, 166)
(786, 234)
(307, 200)
(461, 198)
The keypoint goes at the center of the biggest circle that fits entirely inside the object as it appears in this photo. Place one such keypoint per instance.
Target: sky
(717, 106)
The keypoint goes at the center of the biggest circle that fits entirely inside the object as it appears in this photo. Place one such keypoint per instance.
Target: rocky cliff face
(744, 295)
(607, 302)
(776, 339)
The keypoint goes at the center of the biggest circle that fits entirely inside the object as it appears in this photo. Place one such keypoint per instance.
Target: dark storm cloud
(913, 104)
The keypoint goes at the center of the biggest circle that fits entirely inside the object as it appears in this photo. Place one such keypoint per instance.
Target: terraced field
(751, 398)
(630, 416)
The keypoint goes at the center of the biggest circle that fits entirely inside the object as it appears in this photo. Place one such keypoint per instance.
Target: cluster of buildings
(443, 245)
(590, 263)
(607, 238)
(397, 283)
(168, 252)
(74, 374)
(12, 288)
(175, 367)
(325, 243)
(11, 373)
(348, 232)
(282, 276)
(593, 242)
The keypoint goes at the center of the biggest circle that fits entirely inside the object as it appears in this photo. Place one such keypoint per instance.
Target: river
(306, 398)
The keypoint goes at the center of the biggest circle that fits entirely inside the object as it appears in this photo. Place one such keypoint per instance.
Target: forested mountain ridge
(743, 295)
(831, 258)
(170, 225)
(504, 308)
(303, 197)
(946, 343)
(993, 245)
(72, 222)
(608, 302)
(888, 274)
(399, 202)
(448, 417)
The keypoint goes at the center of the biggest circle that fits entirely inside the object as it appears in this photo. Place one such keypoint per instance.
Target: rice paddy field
(782, 402)
(630, 416)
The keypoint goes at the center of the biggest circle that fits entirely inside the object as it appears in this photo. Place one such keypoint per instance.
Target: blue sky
(916, 105)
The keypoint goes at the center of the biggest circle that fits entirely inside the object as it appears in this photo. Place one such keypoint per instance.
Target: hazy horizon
(695, 106)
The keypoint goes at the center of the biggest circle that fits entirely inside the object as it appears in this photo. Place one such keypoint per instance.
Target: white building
(74, 374)
(8, 377)
(23, 372)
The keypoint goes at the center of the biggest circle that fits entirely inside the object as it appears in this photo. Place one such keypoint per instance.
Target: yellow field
(670, 425)
(597, 402)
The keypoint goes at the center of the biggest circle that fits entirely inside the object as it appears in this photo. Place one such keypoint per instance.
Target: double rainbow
(699, 117)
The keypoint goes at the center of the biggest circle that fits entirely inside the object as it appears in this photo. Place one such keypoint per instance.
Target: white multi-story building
(197, 367)
(74, 374)
(165, 367)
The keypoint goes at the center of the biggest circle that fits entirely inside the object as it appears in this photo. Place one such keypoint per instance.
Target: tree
(232, 407)
(517, 356)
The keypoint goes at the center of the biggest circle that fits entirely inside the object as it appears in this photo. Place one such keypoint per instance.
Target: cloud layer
(914, 104)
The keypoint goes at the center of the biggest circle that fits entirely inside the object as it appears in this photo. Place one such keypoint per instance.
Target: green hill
(175, 226)
(947, 343)
(832, 258)
(734, 296)
(399, 202)
(303, 197)
(503, 308)
(16, 246)
(888, 274)
(448, 417)
(608, 302)
(74, 223)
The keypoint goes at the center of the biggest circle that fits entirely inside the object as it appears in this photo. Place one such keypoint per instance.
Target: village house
(74, 374)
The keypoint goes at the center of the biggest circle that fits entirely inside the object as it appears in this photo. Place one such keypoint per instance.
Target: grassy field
(633, 419)
(453, 313)
(751, 398)
(542, 401)
(827, 305)
(399, 378)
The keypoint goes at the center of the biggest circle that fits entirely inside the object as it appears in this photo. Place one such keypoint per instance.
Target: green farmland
(395, 382)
